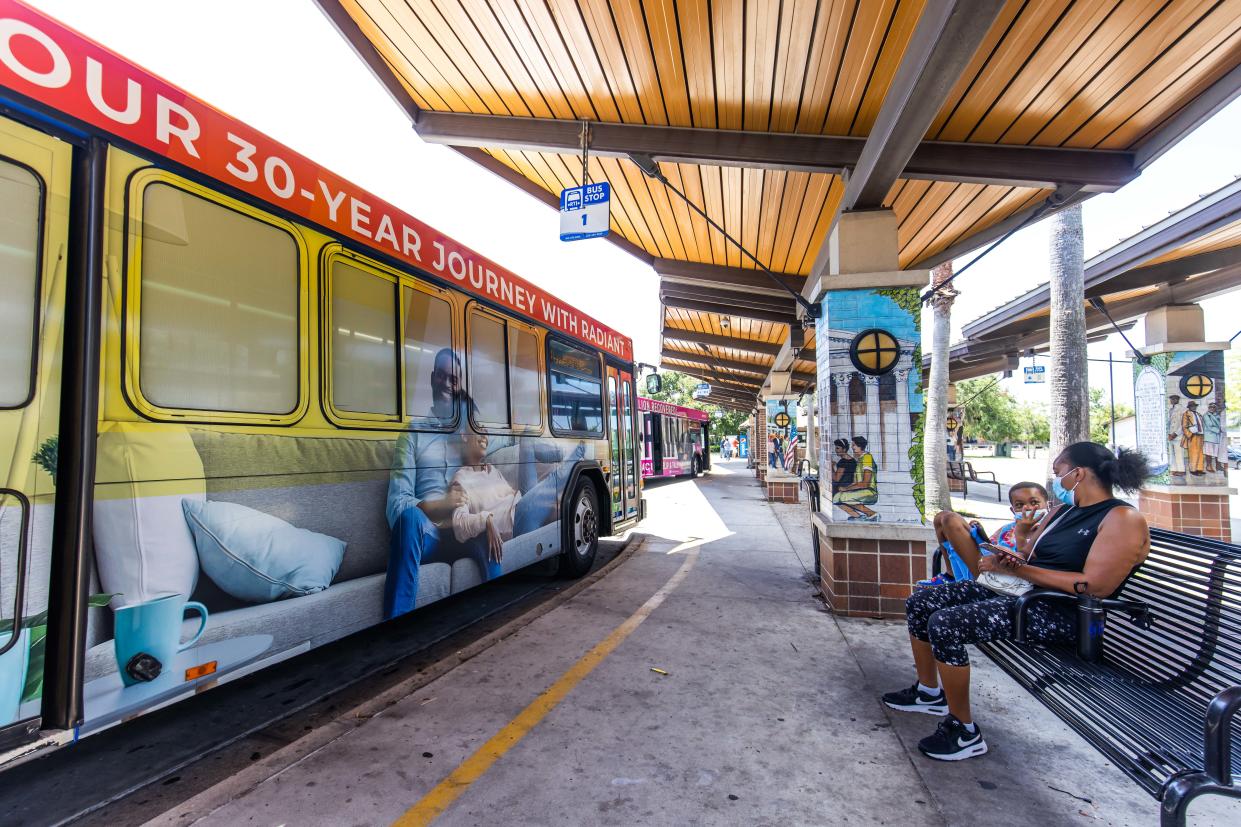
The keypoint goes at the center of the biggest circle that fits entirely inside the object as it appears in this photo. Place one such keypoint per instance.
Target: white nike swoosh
(964, 744)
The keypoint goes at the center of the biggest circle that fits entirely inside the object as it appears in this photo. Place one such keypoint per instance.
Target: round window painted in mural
(874, 351)
(1197, 385)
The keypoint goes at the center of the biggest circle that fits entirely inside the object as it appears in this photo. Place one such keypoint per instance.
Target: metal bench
(1156, 692)
(965, 472)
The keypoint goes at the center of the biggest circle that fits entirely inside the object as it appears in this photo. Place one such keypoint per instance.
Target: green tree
(1101, 416)
(990, 412)
(1032, 423)
(678, 389)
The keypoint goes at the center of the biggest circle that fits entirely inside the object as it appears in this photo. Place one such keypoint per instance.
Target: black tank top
(1066, 541)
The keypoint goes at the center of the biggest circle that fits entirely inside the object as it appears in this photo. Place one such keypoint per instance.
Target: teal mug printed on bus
(148, 636)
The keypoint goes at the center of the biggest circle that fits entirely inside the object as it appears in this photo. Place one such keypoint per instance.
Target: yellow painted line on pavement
(451, 788)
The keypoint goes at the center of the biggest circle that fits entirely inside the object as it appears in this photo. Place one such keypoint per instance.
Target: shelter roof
(965, 118)
(1193, 254)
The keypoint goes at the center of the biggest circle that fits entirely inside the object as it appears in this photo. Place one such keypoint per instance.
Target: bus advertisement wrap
(47, 62)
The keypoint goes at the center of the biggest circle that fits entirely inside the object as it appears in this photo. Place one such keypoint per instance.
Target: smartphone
(992, 548)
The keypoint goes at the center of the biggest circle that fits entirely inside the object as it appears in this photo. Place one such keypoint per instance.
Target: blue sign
(585, 211)
(703, 389)
(743, 447)
(1036, 374)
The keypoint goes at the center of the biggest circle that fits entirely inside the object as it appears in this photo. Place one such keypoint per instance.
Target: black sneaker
(915, 700)
(952, 742)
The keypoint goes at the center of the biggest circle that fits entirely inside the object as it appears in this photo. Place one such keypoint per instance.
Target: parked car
(1234, 457)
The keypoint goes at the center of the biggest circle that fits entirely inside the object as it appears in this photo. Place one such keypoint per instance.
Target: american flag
(790, 453)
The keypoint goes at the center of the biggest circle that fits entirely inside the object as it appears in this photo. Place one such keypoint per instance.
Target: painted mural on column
(783, 439)
(870, 404)
(1181, 419)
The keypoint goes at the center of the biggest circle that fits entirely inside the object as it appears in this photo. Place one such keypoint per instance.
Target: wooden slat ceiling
(1102, 74)
(1221, 239)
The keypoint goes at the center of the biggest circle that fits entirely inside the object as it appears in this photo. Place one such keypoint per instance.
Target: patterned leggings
(954, 614)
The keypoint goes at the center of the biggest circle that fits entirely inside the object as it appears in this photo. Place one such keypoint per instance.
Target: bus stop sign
(585, 211)
(1036, 374)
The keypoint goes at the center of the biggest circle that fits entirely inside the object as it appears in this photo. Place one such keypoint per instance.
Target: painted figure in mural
(1211, 438)
(491, 506)
(844, 467)
(774, 459)
(854, 498)
(1176, 444)
(1192, 439)
(1221, 450)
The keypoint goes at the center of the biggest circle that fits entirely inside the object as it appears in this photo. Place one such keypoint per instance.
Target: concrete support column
(872, 534)
(1178, 389)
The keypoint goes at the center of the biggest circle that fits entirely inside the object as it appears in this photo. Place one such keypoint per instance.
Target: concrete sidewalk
(768, 713)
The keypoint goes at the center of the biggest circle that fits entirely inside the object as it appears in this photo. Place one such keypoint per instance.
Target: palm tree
(934, 448)
(1069, 409)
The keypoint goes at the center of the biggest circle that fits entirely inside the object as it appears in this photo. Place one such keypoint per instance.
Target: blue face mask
(1064, 495)
(1037, 516)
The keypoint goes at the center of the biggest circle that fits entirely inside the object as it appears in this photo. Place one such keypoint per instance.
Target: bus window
(487, 370)
(427, 324)
(21, 191)
(504, 377)
(364, 354)
(218, 319)
(576, 383)
(523, 350)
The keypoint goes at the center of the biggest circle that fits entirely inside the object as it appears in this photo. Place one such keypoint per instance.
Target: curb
(200, 806)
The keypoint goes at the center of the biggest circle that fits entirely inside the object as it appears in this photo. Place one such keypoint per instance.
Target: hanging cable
(1053, 200)
(585, 141)
(650, 167)
(1098, 304)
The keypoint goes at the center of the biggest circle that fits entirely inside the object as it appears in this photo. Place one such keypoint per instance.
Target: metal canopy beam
(727, 310)
(1219, 209)
(720, 364)
(1169, 272)
(944, 40)
(1020, 166)
(732, 278)
(715, 294)
(744, 384)
(733, 342)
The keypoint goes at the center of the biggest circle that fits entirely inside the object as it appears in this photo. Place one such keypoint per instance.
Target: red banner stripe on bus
(49, 62)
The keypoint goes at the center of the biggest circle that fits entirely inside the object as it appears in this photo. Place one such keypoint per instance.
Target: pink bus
(674, 439)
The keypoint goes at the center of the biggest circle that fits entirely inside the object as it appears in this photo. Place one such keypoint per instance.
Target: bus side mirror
(654, 384)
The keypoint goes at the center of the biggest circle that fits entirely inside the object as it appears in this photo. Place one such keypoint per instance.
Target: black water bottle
(1090, 625)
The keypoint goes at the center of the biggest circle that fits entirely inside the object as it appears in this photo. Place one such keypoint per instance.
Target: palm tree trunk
(934, 447)
(1070, 386)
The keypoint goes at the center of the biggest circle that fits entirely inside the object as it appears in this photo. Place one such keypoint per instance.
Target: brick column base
(760, 471)
(869, 569)
(1203, 515)
(783, 489)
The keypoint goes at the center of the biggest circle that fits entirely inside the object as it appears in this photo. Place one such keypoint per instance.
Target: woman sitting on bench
(1090, 543)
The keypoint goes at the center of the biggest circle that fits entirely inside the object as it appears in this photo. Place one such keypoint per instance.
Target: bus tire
(582, 531)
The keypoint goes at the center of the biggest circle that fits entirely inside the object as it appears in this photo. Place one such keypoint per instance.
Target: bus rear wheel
(582, 533)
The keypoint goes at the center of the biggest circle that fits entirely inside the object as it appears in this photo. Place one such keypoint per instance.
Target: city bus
(246, 407)
(675, 439)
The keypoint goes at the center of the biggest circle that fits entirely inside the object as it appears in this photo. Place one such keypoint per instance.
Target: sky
(281, 67)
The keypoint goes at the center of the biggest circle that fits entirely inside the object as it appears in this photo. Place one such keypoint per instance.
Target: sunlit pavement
(763, 710)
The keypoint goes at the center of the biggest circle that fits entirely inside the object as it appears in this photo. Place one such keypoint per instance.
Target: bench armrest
(1218, 734)
(1025, 601)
